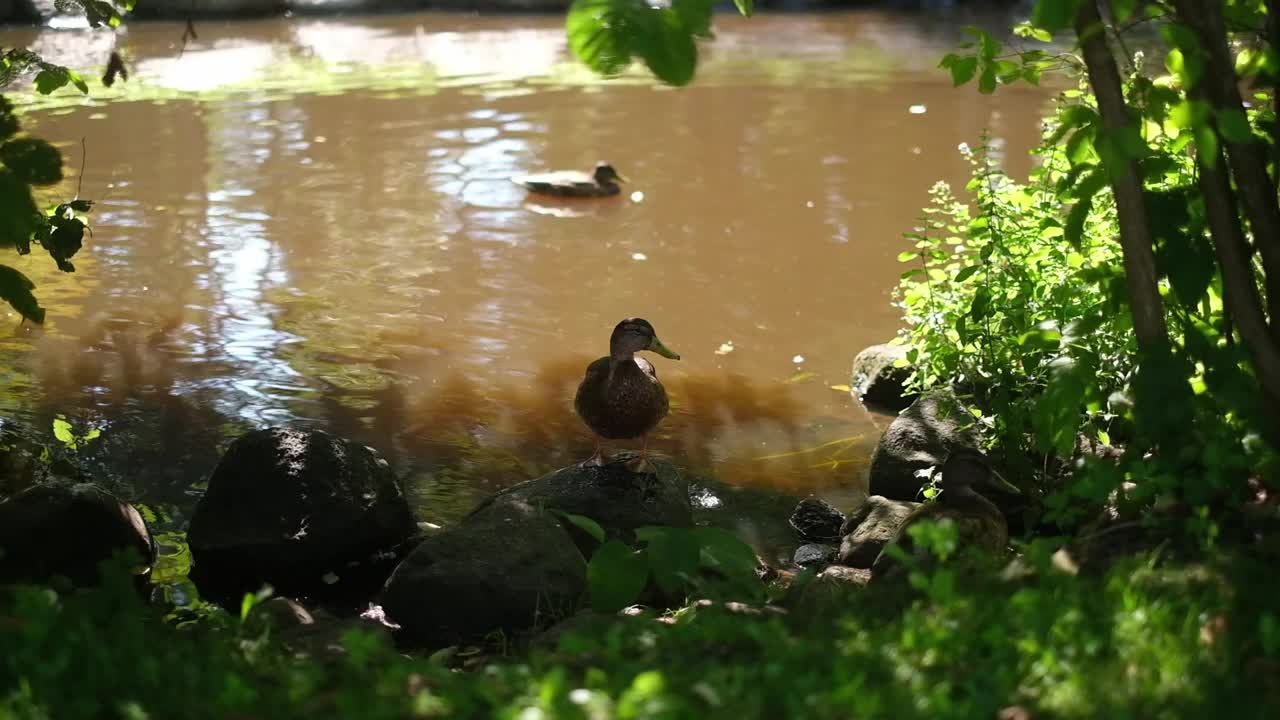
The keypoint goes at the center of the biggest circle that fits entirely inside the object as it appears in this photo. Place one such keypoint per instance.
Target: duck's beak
(666, 352)
(620, 177)
(997, 481)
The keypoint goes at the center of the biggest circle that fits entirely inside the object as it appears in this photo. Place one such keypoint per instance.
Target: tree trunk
(1241, 294)
(1126, 181)
(1248, 160)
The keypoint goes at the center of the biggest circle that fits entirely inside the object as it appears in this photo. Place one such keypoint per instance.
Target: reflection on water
(310, 223)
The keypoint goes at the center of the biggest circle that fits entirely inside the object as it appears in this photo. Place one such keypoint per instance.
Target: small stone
(816, 520)
(813, 555)
(878, 380)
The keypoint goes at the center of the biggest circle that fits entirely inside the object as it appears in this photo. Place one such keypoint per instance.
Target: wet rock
(813, 555)
(613, 496)
(922, 436)
(303, 511)
(68, 529)
(508, 566)
(816, 520)
(869, 528)
(877, 380)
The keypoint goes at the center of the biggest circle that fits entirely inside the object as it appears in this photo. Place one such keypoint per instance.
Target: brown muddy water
(309, 223)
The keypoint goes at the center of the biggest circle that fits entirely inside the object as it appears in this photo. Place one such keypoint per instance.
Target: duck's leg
(642, 464)
(597, 458)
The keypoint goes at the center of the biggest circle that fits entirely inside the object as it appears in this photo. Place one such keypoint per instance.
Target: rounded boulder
(303, 511)
(69, 529)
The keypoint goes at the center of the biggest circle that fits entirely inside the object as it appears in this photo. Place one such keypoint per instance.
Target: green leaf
(584, 523)
(606, 34)
(1080, 146)
(18, 214)
(981, 306)
(1234, 125)
(668, 47)
(1057, 413)
(745, 7)
(32, 160)
(1122, 10)
(601, 31)
(695, 15)
(64, 241)
(962, 68)
(723, 551)
(1054, 15)
(53, 77)
(987, 80)
(908, 256)
(616, 576)
(15, 289)
(1085, 190)
(9, 124)
(62, 431)
(1163, 399)
(1207, 146)
(1043, 337)
(1183, 253)
(966, 273)
(674, 558)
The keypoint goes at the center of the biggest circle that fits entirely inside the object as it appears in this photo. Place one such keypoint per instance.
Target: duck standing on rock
(979, 521)
(620, 397)
(600, 182)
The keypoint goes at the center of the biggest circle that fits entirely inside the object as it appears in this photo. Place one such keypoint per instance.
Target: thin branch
(84, 156)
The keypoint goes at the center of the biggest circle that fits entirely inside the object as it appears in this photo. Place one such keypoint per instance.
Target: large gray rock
(922, 436)
(508, 566)
(304, 511)
(877, 380)
(68, 529)
(869, 528)
(616, 498)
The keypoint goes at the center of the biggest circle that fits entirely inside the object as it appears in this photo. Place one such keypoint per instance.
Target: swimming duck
(620, 397)
(979, 521)
(602, 181)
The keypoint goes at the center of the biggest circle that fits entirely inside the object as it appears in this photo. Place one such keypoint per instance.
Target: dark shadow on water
(749, 446)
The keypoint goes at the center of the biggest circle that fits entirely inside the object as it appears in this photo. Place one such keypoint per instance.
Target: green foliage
(709, 562)
(1022, 302)
(1004, 305)
(15, 289)
(65, 433)
(616, 576)
(606, 35)
(32, 160)
(99, 13)
(1142, 641)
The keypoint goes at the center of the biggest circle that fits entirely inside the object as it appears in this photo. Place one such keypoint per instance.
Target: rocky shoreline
(325, 522)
